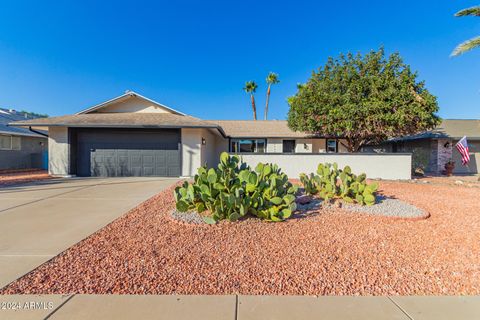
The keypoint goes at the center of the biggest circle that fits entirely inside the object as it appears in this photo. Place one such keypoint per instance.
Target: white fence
(390, 166)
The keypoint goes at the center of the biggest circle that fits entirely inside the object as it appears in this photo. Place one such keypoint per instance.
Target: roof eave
(104, 125)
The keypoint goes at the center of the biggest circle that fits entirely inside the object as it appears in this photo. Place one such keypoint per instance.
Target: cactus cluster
(233, 190)
(333, 183)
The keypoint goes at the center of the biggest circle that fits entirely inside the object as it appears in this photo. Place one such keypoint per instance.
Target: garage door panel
(136, 172)
(148, 158)
(171, 172)
(162, 172)
(172, 158)
(148, 162)
(148, 172)
(103, 162)
(123, 163)
(133, 153)
(136, 160)
(161, 157)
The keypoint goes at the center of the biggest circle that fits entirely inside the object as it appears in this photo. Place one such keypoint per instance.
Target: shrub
(331, 182)
(233, 190)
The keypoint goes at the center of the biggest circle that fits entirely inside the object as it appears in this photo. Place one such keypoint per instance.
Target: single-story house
(436, 147)
(132, 135)
(21, 148)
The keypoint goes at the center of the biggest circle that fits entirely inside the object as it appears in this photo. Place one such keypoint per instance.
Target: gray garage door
(123, 153)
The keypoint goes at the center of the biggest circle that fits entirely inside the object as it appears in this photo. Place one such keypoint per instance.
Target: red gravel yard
(9, 177)
(330, 253)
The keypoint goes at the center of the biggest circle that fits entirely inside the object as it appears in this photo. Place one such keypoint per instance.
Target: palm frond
(466, 46)
(473, 11)
(250, 86)
(272, 78)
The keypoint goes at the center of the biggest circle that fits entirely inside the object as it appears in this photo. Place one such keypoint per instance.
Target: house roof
(121, 120)
(8, 115)
(450, 128)
(90, 117)
(125, 96)
(259, 129)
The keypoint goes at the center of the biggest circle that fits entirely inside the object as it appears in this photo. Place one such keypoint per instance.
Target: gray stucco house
(21, 148)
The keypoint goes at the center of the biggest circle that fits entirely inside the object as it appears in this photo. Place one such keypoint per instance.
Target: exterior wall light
(204, 142)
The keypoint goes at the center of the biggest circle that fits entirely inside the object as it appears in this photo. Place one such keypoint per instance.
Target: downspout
(37, 132)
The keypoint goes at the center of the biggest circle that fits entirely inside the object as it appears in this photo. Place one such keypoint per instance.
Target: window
(261, 146)
(288, 146)
(9, 142)
(248, 145)
(331, 145)
(16, 143)
(5, 142)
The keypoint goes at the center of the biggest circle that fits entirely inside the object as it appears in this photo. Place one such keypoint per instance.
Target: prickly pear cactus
(331, 182)
(233, 190)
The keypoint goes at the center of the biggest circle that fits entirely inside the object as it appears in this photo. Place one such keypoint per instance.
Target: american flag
(462, 147)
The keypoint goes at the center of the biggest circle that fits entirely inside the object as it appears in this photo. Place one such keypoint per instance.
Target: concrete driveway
(39, 220)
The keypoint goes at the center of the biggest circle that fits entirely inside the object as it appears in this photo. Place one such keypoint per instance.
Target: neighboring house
(132, 135)
(21, 148)
(437, 146)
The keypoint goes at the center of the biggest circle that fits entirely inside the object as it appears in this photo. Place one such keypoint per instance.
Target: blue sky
(60, 57)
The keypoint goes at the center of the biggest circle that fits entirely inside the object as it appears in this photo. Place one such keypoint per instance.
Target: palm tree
(471, 43)
(251, 87)
(272, 78)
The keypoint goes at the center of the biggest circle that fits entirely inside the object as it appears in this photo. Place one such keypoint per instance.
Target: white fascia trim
(128, 94)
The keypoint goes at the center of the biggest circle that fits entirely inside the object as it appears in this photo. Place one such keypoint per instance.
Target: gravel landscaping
(471, 181)
(384, 206)
(389, 207)
(187, 217)
(332, 252)
(9, 177)
(307, 205)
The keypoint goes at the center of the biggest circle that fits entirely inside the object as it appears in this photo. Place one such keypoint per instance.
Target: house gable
(132, 105)
(130, 102)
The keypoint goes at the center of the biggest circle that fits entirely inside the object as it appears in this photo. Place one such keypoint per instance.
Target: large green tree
(364, 99)
(471, 43)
